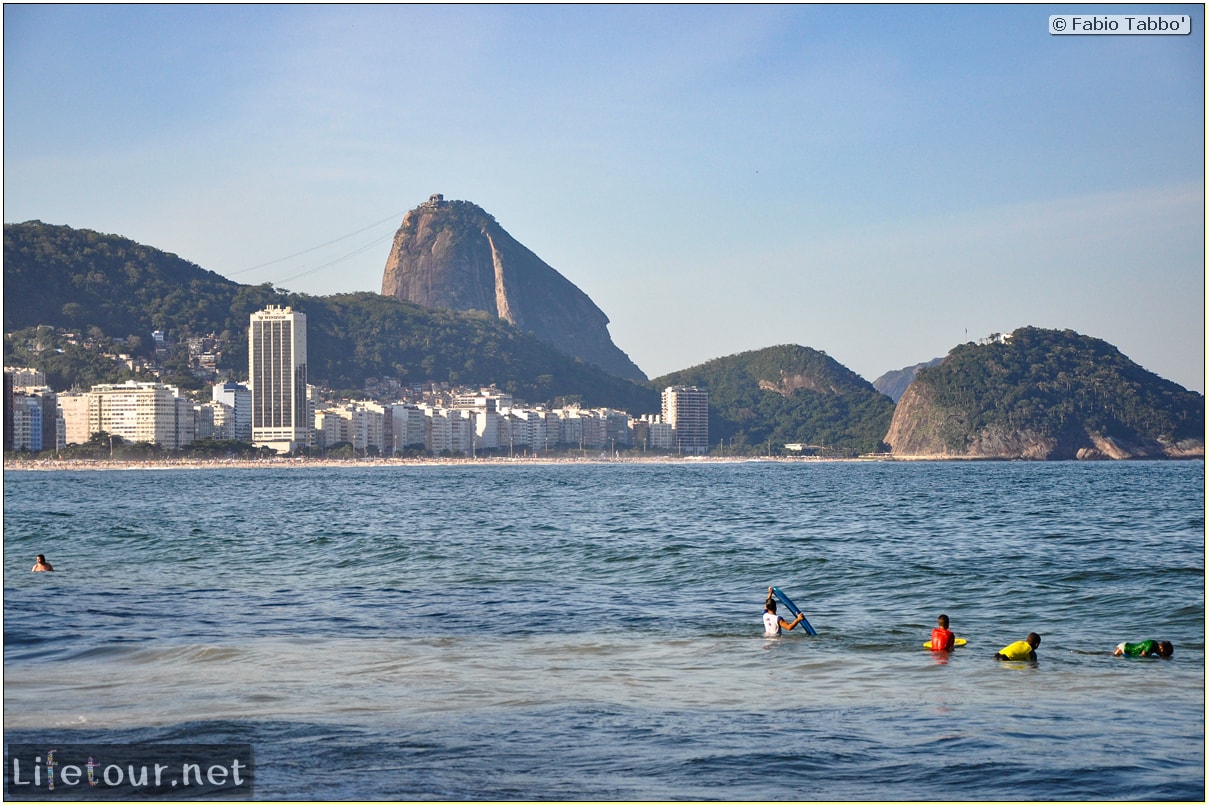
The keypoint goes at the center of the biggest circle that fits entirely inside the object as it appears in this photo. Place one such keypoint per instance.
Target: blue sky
(878, 182)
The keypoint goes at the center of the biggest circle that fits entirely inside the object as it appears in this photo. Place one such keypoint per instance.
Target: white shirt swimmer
(774, 624)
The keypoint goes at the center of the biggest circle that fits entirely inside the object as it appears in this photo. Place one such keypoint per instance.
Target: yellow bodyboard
(956, 643)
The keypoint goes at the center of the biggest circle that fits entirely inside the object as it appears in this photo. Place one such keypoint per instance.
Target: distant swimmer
(1144, 649)
(1021, 650)
(773, 624)
(42, 564)
(943, 638)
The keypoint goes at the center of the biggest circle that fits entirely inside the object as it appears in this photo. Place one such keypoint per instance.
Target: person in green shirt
(1021, 650)
(1144, 649)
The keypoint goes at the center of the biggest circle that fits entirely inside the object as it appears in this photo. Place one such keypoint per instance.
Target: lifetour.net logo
(128, 771)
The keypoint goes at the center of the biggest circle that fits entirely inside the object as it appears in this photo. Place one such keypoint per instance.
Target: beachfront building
(186, 421)
(571, 427)
(238, 398)
(407, 427)
(596, 431)
(48, 401)
(661, 436)
(277, 377)
(222, 422)
(362, 424)
(491, 429)
(489, 424)
(31, 383)
(461, 432)
(448, 431)
(365, 425)
(27, 423)
(617, 427)
(528, 430)
(649, 432)
(437, 430)
(330, 429)
(73, 413)
(203, 420)
(141, 412)
(686, 410)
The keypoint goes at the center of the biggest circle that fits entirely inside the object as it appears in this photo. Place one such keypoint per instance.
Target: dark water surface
(592, 631)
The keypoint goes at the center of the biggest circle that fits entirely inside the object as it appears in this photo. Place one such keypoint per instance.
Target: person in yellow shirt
(1021, 650)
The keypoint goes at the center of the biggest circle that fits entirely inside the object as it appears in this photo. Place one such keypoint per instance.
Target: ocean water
(592, 631)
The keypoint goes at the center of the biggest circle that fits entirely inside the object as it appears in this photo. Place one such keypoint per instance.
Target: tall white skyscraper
(277, 376)
(686, 410)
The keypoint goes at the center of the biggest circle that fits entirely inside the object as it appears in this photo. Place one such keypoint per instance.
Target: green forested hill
(111, 288)
(79, 279)
(1050, 393)
(788, 394)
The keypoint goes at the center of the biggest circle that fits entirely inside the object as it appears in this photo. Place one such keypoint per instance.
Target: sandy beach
(306, 462)
(282, 462)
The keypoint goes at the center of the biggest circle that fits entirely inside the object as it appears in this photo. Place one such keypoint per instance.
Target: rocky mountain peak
(453, 254)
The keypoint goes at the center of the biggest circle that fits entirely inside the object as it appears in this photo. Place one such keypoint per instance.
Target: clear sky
(880, 183)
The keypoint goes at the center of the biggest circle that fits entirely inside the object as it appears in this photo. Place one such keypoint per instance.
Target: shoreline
(45, 465)
(34, 465)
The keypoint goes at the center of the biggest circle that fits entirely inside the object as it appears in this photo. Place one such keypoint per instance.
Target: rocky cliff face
(920, 428)
(452, 254)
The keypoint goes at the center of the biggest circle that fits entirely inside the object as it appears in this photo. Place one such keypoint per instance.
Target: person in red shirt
(942, 636)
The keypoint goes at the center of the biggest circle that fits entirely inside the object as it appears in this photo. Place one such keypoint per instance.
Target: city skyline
(278, 409)
(880, 183)
(454, 421)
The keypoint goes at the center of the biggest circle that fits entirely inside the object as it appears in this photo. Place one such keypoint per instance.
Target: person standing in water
(942, 637)
(773, 624)
(42, 564)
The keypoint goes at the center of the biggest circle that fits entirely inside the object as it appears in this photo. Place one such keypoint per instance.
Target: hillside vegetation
(111, 289)
(1045, 394)
(767, 398)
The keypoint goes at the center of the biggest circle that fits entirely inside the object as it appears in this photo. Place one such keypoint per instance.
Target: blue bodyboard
(793, 608)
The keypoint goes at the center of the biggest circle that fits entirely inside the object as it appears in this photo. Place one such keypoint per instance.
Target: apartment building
(686, 410)
(73, 412)
(238, 398)
(407, 427)
(141, 412)
(26, 423)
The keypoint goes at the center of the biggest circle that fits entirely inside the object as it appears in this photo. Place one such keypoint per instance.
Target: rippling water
(593, 631)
